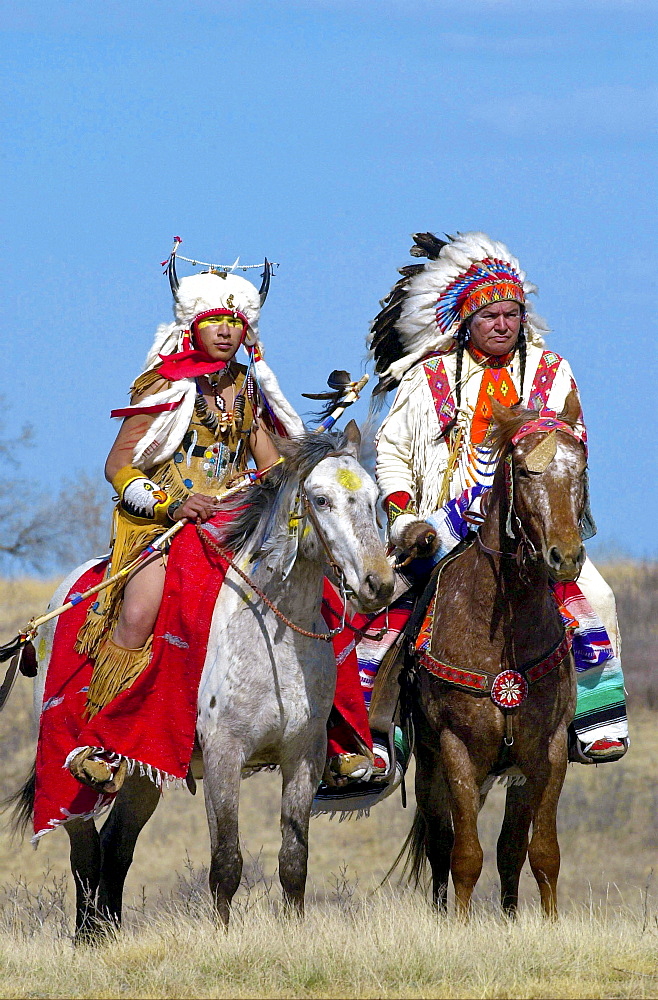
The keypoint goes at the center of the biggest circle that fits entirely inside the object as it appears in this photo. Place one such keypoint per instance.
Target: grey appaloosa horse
(266, 690)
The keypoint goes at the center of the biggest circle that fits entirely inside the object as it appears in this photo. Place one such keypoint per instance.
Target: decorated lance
(339, 381)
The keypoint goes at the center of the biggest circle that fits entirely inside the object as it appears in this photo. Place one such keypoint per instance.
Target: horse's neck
(520, 592)
(299, 596)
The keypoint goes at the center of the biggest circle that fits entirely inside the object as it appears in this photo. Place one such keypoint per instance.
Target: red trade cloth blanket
(348, 699)
(151, 723)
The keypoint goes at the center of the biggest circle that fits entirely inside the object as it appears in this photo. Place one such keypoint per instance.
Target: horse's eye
(522, 473)
(321, 502)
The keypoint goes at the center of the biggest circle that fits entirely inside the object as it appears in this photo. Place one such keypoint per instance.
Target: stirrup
(602, 751)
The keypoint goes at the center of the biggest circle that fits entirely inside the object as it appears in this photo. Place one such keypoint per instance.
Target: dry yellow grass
(354, 942)
(391, 946)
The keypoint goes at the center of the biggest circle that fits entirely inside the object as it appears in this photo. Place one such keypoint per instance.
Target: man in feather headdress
(453, 334)
(195, 418)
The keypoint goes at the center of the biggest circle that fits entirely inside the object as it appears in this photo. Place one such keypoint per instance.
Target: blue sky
(322, 134)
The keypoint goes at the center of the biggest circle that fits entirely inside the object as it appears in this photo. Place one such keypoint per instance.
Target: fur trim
(417, 325)
(168, 429)
(269, 385)
(198, 293)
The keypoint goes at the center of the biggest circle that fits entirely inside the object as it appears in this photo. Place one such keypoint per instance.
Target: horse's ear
(503, 415)
(352, 439)
(571, 412)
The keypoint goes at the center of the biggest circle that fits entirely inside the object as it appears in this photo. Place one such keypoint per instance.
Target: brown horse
(495, 611)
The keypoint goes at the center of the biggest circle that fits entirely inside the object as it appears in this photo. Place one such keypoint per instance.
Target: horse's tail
(21, 804)
(413, 852)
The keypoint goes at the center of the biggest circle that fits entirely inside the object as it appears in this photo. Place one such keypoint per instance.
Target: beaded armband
(397, 504)
(142, 500)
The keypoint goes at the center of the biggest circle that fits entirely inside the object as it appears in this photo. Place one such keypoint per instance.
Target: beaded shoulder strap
(437, 379)
(543, 380)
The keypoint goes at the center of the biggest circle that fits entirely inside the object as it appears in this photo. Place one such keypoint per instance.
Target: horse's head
(545, 482)
(319, 503)
(342, 500)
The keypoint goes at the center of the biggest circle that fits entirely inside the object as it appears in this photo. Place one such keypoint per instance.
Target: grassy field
(357, 940)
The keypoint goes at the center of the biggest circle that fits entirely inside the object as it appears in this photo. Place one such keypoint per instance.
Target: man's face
(219, 336)
(495, 328)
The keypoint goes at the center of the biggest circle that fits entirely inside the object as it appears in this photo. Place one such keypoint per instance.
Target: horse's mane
(509, 420)
(265, 505)
(501, 434)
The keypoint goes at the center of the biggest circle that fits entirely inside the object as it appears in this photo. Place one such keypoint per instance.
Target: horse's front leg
(543, 849)
(301, 769)
(467, 857)
(223, 758)
(85, 858)
(513, 845)
(432, 801)
(134, 806)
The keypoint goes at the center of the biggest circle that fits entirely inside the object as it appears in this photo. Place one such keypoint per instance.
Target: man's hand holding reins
(419, 541)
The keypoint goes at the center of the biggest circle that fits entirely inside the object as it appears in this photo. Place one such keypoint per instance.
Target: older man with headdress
(455, 333)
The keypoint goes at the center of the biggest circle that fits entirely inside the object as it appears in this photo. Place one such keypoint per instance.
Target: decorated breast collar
(506, 687)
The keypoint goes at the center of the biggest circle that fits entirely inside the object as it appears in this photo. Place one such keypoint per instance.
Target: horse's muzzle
(565, 566)
(376, 588)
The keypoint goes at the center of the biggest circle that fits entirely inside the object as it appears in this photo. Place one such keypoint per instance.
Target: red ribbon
(188, 364)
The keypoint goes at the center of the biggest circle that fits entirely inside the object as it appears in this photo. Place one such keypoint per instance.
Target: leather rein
(307, 511)
(524, 549)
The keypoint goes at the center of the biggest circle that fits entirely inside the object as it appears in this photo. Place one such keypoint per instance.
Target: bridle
(525, 550)
(345, 591)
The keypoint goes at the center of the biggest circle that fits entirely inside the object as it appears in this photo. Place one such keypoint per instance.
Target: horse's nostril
(554, 556)
(582, 555)
(373, 583)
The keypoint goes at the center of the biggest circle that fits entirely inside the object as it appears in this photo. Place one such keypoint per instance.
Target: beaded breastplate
(212, 451)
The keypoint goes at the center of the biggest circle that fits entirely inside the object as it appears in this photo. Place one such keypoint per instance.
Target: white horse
(266, 690)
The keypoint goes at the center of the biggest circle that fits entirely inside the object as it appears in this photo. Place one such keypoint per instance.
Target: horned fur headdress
(215, 290)
(426, 308)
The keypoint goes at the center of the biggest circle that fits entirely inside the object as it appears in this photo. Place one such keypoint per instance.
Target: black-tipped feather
(427, 245)
(386, 343)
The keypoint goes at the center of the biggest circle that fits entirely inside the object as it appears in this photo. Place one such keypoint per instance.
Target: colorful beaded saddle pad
(507, 688)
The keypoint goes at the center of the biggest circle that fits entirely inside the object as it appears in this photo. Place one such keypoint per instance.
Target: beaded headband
(486, 281)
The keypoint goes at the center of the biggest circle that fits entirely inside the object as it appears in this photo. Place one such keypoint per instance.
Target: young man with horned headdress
(195, 419)
(453, 334)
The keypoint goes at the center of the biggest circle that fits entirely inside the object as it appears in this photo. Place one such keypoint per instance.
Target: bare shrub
(636, 589)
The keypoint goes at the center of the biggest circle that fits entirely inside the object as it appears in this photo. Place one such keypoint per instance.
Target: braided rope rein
(324, 636)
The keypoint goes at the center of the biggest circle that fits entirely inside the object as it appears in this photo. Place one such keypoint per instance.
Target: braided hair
(522, 346)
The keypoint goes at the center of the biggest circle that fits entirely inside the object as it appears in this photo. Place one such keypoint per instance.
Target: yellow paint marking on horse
(349, 479)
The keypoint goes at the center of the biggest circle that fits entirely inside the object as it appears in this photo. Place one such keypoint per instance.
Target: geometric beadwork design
(437, 379)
